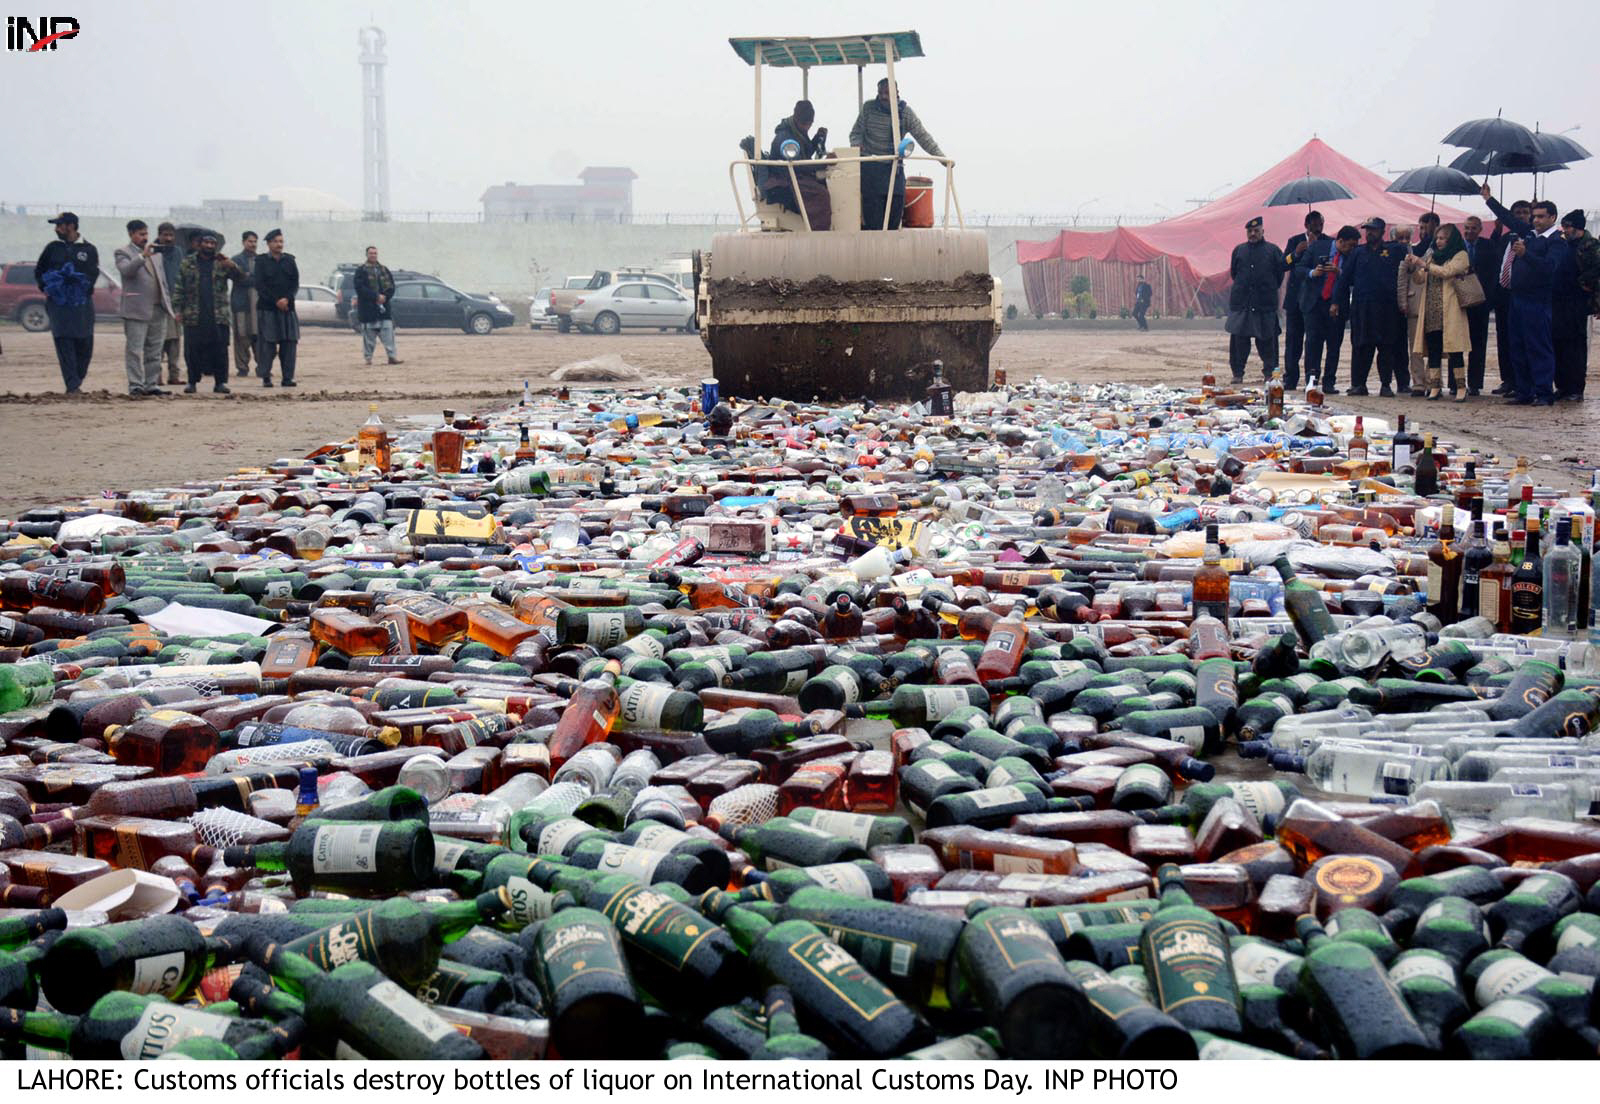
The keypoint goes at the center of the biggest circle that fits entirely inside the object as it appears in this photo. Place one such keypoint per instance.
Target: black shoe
(1359, 392)
(1570, 396)
(189, 390)
(396, 360)
(288, 383)
(1546, 401)
(1473, 392)
(158, 392)
(1330, 391)
(221, 389)
(1518, 400)
(266, 383)
(1502, 390)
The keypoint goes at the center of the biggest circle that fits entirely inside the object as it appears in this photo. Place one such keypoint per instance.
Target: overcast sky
(1130, 107)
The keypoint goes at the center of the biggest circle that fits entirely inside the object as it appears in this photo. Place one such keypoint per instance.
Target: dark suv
(21, 299)
(431, 302)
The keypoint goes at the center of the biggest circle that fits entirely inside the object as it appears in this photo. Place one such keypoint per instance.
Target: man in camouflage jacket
(201, 303)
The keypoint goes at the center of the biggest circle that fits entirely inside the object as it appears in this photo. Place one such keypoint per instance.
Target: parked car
(640, 304)
(538, 317)
(317, 306)
(342, 281)
(21, 299)
(431, 302)
(562, 299)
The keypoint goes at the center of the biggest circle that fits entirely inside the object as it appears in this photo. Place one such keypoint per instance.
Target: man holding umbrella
(1257, 269)
(1294, 332)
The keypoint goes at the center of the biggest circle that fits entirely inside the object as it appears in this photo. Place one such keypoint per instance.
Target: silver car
(637, 304)
(317, 306)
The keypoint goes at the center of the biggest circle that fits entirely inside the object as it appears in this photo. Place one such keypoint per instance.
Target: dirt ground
(57, 449)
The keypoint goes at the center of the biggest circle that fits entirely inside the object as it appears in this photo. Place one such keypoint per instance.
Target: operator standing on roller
(873, 135)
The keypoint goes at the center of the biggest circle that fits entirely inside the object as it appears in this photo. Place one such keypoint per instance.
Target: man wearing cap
(278, 326)
(144, 310)
(66, 272)
(1294, 332)
(201, 302)
(1257, 269)
(1572, 301)
(1369, 279)
(1323, 305)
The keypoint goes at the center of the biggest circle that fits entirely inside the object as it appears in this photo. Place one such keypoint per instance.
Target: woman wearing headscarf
(1442, 323)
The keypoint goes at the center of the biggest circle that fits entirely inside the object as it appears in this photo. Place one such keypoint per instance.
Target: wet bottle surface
(1356, 1001)
(1187, 962)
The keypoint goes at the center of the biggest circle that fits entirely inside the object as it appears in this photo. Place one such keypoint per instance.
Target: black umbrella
(1490, 163)
(1434, 180)
(1497, 134)
(1558, 149)
(1308, 190)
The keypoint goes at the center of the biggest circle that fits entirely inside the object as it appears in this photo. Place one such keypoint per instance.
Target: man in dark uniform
(1500, 297)
(66, 272)
(1369, 281)
(1294, 331)
(277, 283)
(1143, 293)
(1257, 269)
(1571, 303)
(1323, 305)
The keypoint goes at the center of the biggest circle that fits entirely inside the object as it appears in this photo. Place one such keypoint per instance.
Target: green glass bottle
(785, 1041)
(580, 967)
(920, 706)
(1454, 927)
(652, 835)
(1513, 1027)
(159, 955)
(372, 858)
(390, 803)
(1525, 916)
(367, 1013)
(862, 828)
(1501, 973)
(1186, 958)
(1307, 611)
(641, 864)
(1429, 983)
(1122, 1024)
(752, 730)
(838, 1000)
(908, 949)
(1019, 979)
(1358, 925)
(15, 931)
(136, 1027)
(399, 936)
(862, 879)
(784, 842)
(736, 1030)
(1360, 1009)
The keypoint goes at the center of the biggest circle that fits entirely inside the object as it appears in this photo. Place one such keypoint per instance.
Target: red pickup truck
(21, 299)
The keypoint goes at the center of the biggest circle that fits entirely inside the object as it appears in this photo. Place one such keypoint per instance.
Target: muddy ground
(57, 449)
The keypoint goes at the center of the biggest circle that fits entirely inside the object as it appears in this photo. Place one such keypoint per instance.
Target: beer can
(710, 395)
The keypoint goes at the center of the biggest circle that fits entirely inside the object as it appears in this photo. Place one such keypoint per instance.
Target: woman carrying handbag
(1442, 325)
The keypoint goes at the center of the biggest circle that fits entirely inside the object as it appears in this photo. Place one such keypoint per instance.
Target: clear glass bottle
(1562, 567)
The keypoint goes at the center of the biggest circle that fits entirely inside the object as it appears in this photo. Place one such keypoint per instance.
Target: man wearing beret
(1368, 285)
(66, 272)
(1257, 269)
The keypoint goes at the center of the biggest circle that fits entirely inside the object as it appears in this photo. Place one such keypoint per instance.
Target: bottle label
(1218, 1049)
(416, 1015)
(642, 704)
(1575, 936)
(528, 902)
(1060, 667)
(1435, 582)
(938, 702)
(989, 798)
(636, 862)
(845, 877)
(1422, 965)
(345, 849)
(845, 679)
(1442, 908)
(558, 834)
(1507, 978)
(446, 855)
(605, 629)
(1521, 1012)
(1192, 735)
(647, 645)
(655, 836)
(1259, 963)
(655, 922)
(855, 827)
(162, 1026)
(965, 1048)
(1261, 798)
(1019, 864)
(158, 974)
(839, 973)
(1188, 958)
(937, 771)
(1349, 878)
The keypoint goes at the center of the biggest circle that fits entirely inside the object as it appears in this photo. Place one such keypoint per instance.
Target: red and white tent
(1191, 251)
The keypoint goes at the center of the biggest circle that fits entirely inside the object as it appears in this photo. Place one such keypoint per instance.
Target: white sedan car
(315, 306)
(637, 304)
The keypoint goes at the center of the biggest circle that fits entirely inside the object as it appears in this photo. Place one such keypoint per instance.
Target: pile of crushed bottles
(1056, 721)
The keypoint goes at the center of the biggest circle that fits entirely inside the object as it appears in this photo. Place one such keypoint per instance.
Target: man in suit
(1481, 256)
(1256, 268)
(1499, 297)
(1368, 284)
(1527, 271)
(1294, 331)
(1325, 304)
(242, 302)
(1142, 294)
(144, 310)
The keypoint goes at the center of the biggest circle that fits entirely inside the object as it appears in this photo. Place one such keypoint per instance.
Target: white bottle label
(528, 901)
(427, 1023)
(941, 701)
(161, 1026)
(555, 836)
(605, 630)
(1018, 864)
(158, 974)
(851, 826)
(642, 704)
(345, 849)
(846, 878)
(1059, 667)
(1507, 978)
(637, 862)
(1193, 735)
(655, 836)
(1260, 963)
(1261, 798)
(988, 798)
(795, 680)
(646, 644)
(1423, 965)
(446, 855)
(1520, 1012)
(1217, 1049)
(1575, 936)
(937, 771)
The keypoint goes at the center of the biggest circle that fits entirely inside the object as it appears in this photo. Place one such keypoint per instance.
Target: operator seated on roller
(776, 186)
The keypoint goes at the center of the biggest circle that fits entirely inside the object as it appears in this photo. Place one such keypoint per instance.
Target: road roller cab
(789, 310)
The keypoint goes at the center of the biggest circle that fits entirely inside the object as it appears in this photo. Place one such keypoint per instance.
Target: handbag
(1469, 290)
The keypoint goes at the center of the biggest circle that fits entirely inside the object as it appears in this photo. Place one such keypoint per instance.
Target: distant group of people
(199, 300)
(1417, 307)
(883, 183)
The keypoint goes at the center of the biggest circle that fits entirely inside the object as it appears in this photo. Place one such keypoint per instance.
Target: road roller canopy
(804, 53)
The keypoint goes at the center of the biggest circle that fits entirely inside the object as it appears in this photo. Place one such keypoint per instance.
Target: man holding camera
(144, 310)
